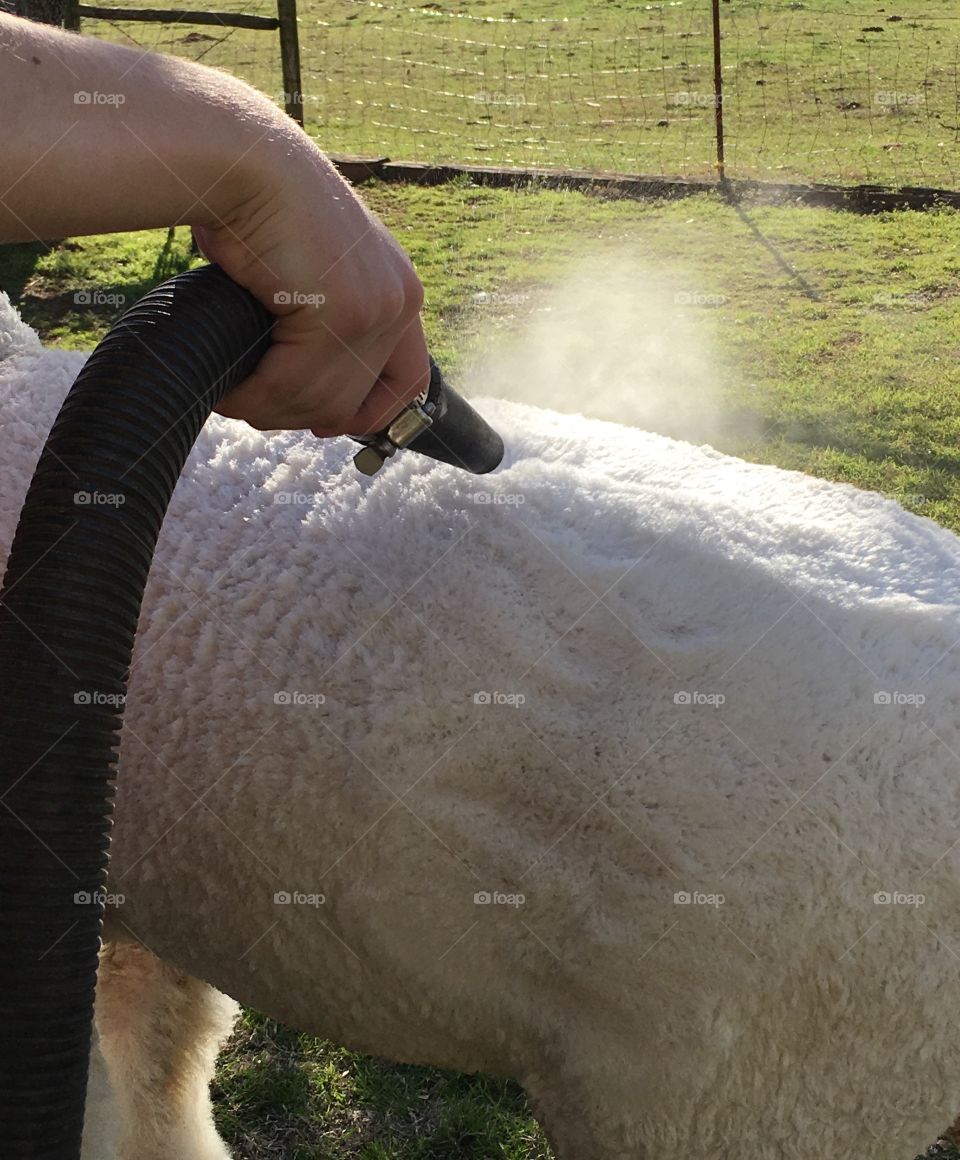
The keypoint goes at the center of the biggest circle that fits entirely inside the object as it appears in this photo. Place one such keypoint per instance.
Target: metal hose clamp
(412, 421)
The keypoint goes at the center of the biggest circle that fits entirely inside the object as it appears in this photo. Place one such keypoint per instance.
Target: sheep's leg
(585, 1102)
(101, 1117)
(572, 1129)
(159, 1031)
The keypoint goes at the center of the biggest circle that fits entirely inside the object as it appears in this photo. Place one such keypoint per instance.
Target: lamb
(631, 771)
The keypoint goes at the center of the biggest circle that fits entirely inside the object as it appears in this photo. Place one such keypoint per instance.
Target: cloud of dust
(616, 341)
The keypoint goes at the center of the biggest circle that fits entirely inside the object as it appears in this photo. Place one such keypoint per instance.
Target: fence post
(290, 59)
(718, 91)
(41, 11)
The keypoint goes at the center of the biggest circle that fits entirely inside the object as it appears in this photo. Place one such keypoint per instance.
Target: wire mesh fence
(826, 90)
(252, 55)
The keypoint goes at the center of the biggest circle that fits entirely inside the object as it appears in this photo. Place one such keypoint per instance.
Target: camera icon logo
(282, 698)
(82, 98)
(683, 898)
(483, 898)
(481, 698)
(282, 298)
(82, 698)
(282, 898)
(681, 698)
(82, 898)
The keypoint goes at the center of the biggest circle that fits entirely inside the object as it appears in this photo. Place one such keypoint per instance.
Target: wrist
(251, 144)
(280, 203)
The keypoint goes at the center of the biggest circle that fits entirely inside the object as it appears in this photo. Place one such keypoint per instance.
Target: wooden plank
(857, 198)
(178, 16)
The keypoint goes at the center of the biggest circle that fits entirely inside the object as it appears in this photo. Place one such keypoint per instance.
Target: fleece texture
(631, 770)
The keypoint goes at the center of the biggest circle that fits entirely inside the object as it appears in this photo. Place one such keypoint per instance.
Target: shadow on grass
(282, 1094)
(171, 259)
(944, 1149)
(800, 283)
(752, 433)
(82, 313)
(18, 261)
(842, 437)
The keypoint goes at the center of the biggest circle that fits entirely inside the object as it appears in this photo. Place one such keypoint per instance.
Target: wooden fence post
(718, 91)
(290, 59)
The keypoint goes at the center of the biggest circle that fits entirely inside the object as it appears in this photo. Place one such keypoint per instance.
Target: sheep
(631, 771)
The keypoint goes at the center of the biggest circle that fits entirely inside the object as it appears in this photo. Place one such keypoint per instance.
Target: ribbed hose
(68, 615)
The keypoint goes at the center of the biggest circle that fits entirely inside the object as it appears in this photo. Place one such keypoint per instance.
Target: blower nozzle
(439, 423)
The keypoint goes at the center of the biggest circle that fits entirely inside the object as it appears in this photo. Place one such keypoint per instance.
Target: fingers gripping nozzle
(439, 423)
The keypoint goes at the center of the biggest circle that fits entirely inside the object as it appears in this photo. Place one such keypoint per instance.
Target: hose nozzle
(439, 423)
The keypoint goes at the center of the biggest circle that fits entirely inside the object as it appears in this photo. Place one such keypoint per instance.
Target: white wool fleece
(631, 770)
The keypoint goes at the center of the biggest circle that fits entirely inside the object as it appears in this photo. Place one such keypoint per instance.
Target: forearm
(127, 157)
(157, 142)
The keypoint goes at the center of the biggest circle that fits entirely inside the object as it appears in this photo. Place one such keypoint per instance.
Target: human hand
(348, 350)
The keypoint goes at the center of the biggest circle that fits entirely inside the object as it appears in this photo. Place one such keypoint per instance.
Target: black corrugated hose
(68, 615)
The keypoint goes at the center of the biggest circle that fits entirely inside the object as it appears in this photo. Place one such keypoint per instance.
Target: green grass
(281, 1094)
(833, 352)
(833, 347)
(72, 292)
(814, 89)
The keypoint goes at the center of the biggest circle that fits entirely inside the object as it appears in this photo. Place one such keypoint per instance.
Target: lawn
(280, 1095)
(813, 339)
(814, 89)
